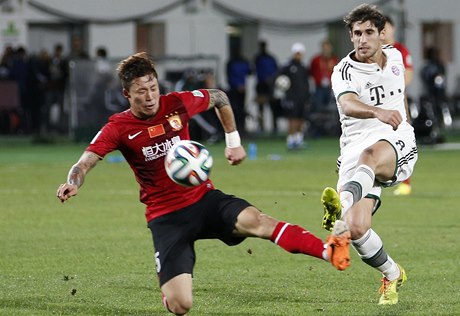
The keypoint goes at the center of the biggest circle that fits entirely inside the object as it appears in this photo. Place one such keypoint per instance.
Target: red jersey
(321, 69)
(144, 144)
(407, 58)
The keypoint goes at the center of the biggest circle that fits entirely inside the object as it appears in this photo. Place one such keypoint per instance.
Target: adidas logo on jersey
(368, 85)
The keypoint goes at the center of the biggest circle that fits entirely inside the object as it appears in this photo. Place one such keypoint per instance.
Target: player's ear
(351, 36)
(383, 35)
(126, 93)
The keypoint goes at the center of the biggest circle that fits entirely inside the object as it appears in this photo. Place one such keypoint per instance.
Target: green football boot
(389, 289)
(332, 208)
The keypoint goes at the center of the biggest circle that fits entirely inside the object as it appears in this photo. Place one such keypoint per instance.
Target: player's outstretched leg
(332, 208)
(339, 245)
(389, 289)
(296, 239)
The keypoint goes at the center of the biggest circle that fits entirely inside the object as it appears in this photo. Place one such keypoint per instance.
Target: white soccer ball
(188, 163)
(283, 83)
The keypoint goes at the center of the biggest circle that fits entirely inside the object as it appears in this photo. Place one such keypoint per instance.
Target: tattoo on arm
(218, 98)
(78, 171)
(76, 176)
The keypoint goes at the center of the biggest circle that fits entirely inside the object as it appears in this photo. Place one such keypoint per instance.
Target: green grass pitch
(94, 256)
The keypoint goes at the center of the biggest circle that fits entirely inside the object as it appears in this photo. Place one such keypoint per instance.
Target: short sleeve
(341, 80)
(105, 141)
(195, 101)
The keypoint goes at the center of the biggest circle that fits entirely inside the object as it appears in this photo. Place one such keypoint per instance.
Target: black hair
(135, 66)
(365, 12)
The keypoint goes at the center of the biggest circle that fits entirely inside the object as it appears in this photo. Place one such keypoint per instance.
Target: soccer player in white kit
(378, 147)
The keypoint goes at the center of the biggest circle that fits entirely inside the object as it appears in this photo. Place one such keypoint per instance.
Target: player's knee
(179, 306)
(254, 223)
(357, 229)
(265, 225)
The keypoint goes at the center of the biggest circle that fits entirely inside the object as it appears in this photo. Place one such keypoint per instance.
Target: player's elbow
(347, 102)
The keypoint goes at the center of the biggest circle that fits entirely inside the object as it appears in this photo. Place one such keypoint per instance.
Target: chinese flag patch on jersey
(156, 130)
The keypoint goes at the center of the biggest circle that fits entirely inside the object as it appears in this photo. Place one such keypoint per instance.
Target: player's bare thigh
(381, 157)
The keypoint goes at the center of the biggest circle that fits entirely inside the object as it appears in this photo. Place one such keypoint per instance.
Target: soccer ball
(282, 83)
(188, 163)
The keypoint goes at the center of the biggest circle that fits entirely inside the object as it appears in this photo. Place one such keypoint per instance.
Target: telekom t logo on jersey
(377, 94)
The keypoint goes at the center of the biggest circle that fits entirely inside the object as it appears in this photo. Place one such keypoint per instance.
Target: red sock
(295, 239)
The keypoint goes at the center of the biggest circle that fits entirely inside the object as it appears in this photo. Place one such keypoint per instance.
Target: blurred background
(58, 60)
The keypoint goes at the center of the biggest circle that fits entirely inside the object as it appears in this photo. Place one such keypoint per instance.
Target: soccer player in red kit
(178, 216)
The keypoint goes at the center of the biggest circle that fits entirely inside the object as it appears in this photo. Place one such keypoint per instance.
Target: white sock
(392, 270)
(370, 249)
(368, 245)
(357, 187)
(325, 254)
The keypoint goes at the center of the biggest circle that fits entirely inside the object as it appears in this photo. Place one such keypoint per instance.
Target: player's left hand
(65, 191)
(235, 155)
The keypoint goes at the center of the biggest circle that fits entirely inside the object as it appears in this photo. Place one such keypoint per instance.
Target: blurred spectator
(98, 105)
(102, 62)
(266, 68)
(113, 97)
(238, 69)
(296, 96)
(189, 81)
(321, 67)
(19, 72)
(434, 102)
(6, 62)
(77, 50)
(216, 133)
(433, 75)
(9, 95)
(58, 78)
(39, 77)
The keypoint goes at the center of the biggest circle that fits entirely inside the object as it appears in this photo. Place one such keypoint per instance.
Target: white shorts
(404, 145)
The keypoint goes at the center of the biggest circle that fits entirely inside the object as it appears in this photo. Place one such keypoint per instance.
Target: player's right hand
(65, 191)
(235, 155)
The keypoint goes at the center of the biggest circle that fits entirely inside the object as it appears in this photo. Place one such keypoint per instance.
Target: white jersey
(374, 86)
